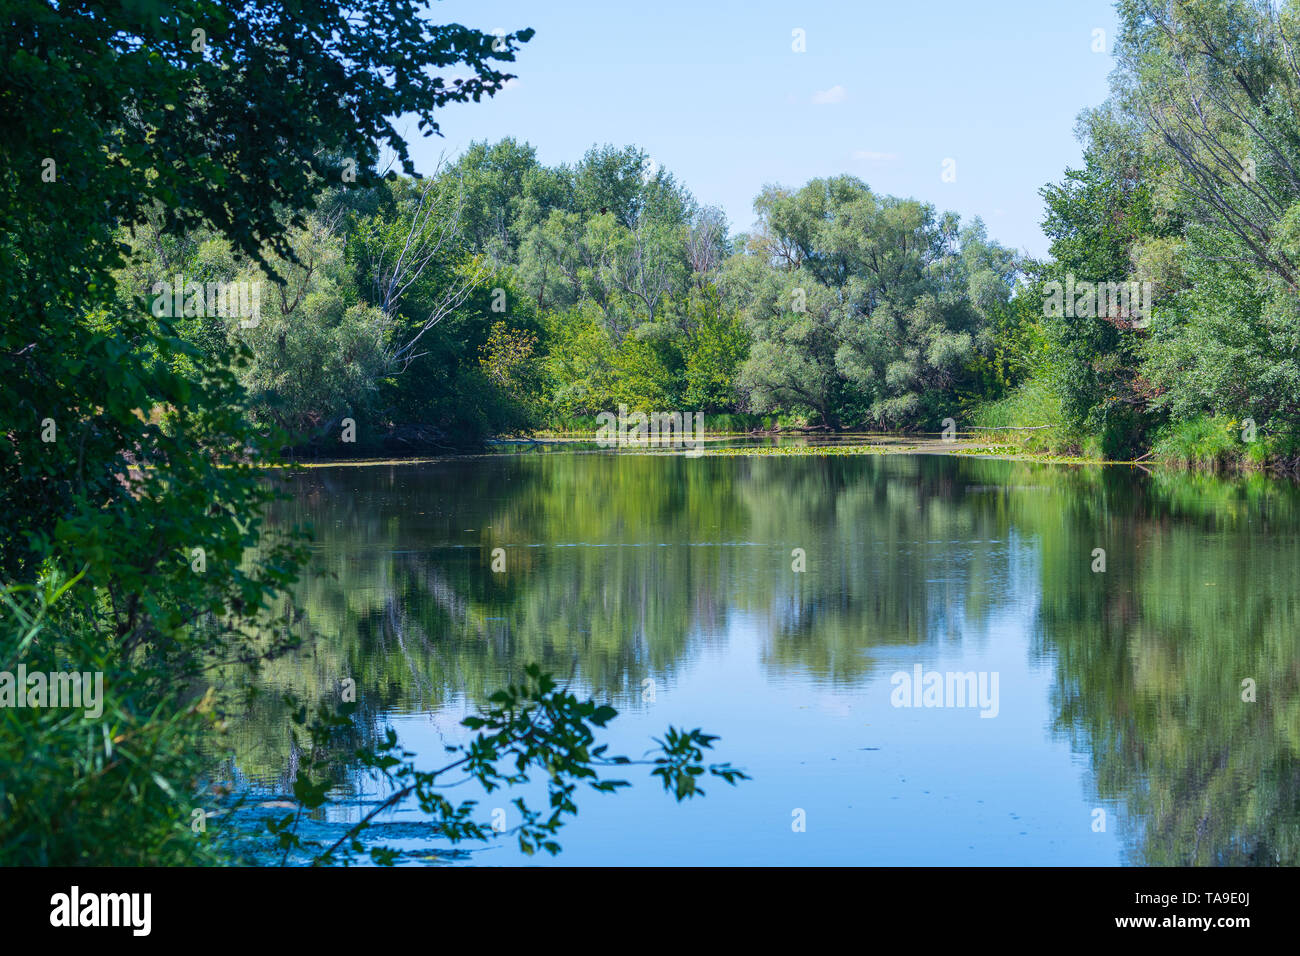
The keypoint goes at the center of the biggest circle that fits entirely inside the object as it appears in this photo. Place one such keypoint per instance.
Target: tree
(1189, 184)
(130, 459)
(716, 348)
(215, 117)
(412, 253)
(707, 244)
(863, 308)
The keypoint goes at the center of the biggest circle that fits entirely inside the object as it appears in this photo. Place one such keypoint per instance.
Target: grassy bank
(1028, 422)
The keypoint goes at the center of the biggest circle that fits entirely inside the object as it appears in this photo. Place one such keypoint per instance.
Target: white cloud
(835, 94)
(874, 157)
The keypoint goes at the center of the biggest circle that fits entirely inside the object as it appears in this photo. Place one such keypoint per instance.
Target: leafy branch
(535, 728)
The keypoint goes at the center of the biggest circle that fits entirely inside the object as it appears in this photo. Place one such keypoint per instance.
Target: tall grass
(1018, 418)
(79, 787)
(1213, 443)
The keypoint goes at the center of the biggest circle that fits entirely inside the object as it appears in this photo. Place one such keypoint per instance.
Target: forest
(501, 296)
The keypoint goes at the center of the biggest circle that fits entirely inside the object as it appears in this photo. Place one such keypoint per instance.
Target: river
(1108, 659)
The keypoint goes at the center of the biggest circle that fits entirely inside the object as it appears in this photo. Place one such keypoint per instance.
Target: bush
(1202, 442)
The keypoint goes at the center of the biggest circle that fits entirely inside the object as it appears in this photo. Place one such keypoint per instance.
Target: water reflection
(625, 568)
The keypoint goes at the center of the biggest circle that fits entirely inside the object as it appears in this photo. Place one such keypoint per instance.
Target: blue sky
(887, 91)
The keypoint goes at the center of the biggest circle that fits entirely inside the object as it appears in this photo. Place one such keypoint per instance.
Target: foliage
(1029, 417)
(717, 347)
(533, 728)
(112, 787)
(510, 362)
(843, 308)
(1189, 183)
(1202, 442)
(210, 139)
(864, 309)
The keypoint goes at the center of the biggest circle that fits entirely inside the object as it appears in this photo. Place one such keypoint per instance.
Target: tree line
(501, 295)
(558, 292)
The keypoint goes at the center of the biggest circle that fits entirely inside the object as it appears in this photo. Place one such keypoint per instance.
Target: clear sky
(887, 91)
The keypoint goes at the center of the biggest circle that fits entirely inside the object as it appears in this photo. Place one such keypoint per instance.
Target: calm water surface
(664, 584)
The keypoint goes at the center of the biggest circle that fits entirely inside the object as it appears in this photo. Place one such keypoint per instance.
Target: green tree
(716, 348)
(130, 458)
(863, 309)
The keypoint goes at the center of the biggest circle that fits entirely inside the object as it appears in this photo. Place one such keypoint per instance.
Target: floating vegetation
(1012, 452)
(1019, 454)
(922, 447)
(804, 450)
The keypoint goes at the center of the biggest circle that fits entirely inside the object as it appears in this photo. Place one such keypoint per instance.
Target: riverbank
(822, 446)
(818, 443)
